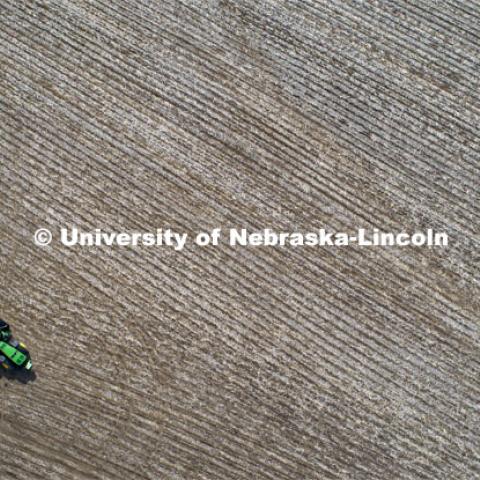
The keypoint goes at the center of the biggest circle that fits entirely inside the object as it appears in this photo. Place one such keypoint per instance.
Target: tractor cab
(12, 352)
(11, 356)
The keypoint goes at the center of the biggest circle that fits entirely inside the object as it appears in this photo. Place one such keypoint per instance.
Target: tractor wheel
(3, 362)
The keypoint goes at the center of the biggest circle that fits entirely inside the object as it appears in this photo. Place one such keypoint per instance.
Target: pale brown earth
(241, 363)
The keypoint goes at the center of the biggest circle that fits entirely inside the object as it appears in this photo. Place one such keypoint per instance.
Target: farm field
(241, 362)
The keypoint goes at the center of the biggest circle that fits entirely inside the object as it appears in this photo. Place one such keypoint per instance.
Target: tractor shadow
(21, 376)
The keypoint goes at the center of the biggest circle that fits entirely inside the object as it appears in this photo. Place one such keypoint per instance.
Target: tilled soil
(224, 362)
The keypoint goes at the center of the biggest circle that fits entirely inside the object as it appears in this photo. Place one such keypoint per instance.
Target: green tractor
(13, 354)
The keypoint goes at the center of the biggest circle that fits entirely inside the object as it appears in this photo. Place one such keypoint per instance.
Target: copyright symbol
(42, 237)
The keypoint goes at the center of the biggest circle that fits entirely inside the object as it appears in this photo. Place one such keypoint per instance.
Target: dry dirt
(241, 363)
